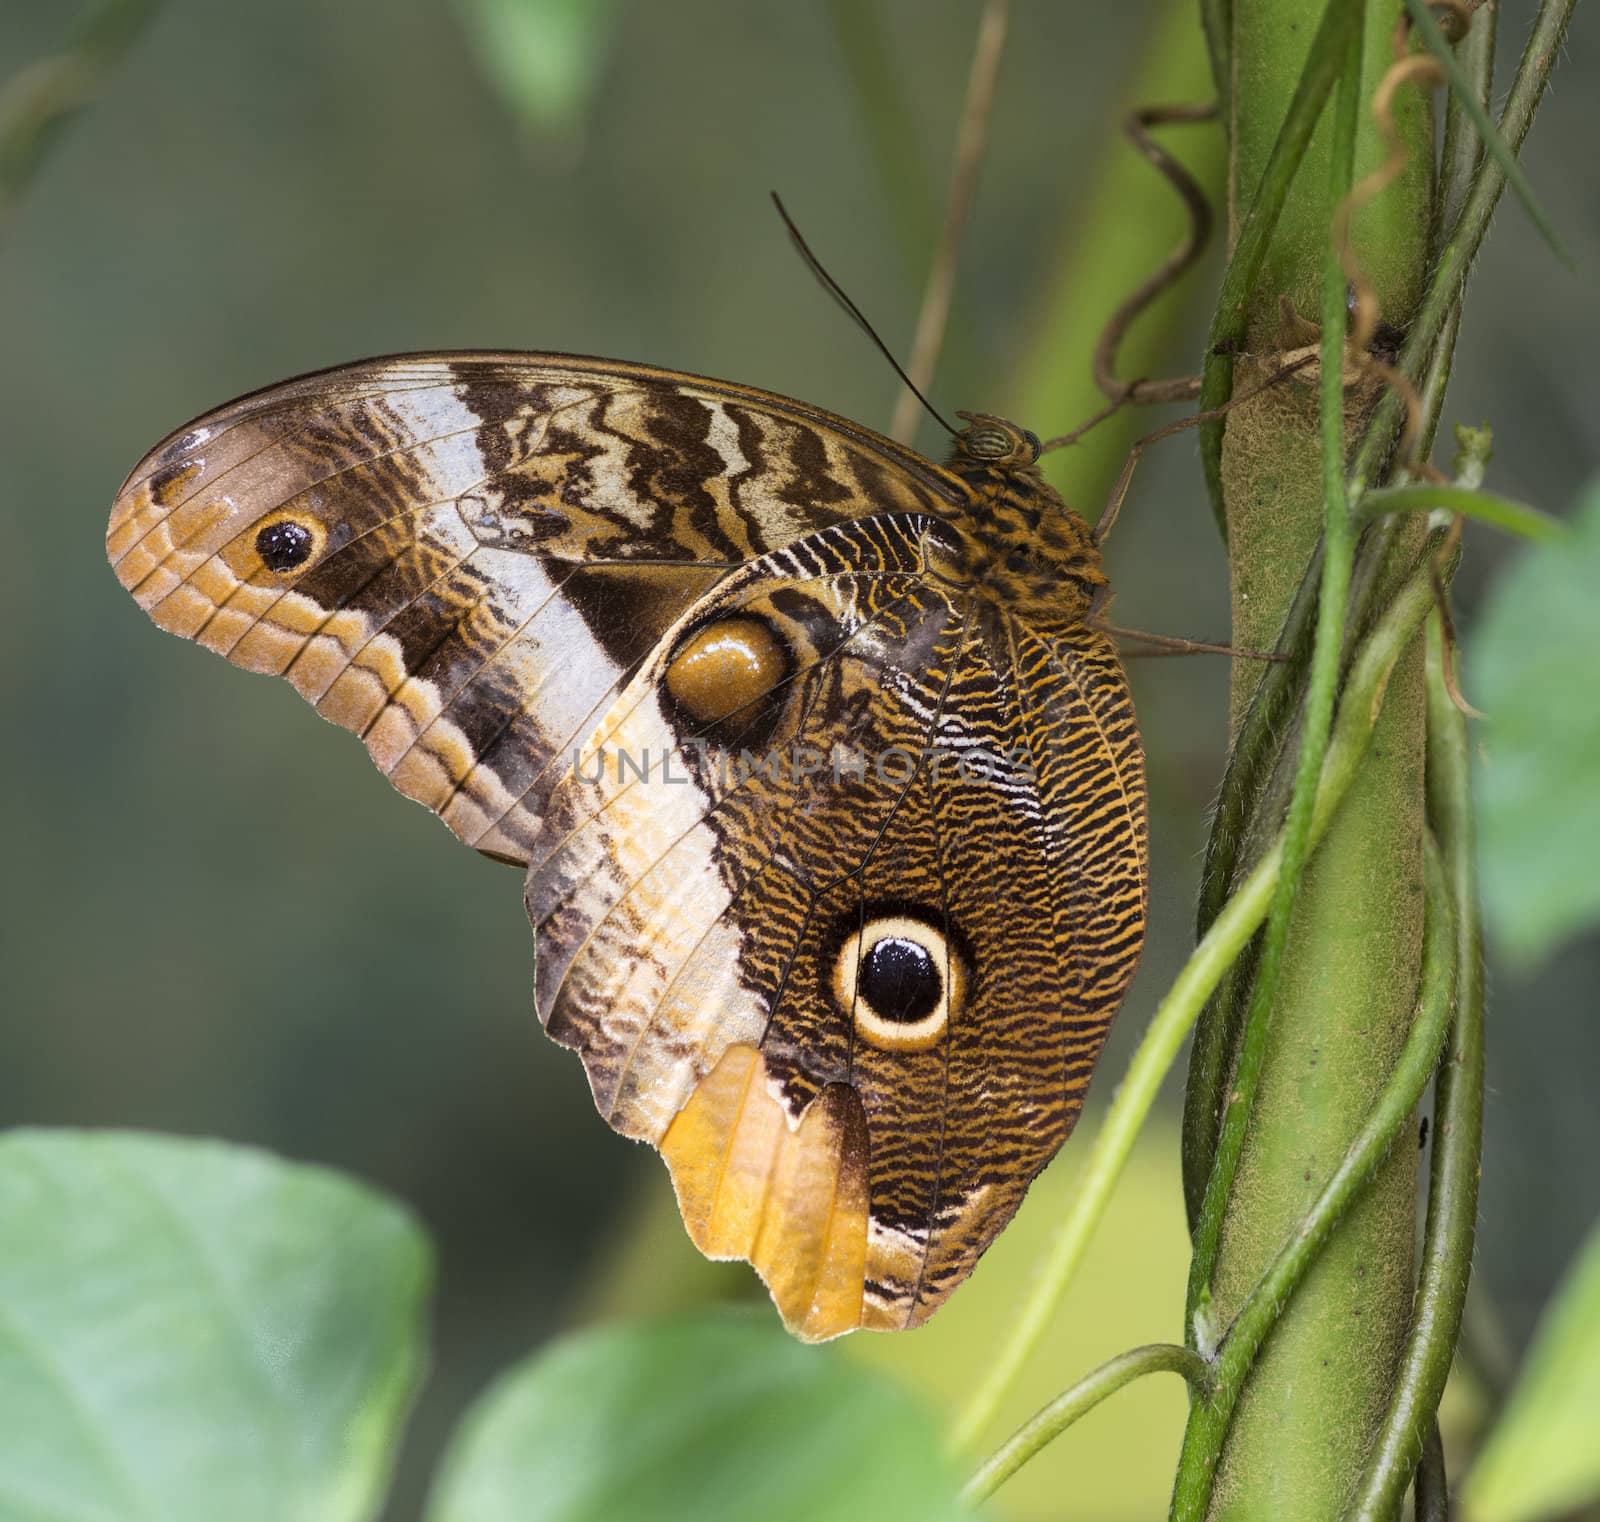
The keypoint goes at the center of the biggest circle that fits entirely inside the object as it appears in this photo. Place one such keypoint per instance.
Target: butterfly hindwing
(709, 920)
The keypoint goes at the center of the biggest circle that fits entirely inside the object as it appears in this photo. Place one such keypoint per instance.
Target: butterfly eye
(285, 544)
(1031, 439)
(899, 979)
(986, 442)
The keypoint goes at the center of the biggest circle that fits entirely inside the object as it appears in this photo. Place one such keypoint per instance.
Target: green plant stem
(1249, 761)
(1281, 686)
(894, 143)
(1052, 1420)
(1459, 158)
(1231, 930)
(40, 101)
(1466, 235)
(1388, 1119)
(1462, 149)
(1433, 1489)
(1323, 680)
(1457, 1128)
(1463, 89)
(1255, 231)
(1502, 512)
(1277, 691)
(1473, 184)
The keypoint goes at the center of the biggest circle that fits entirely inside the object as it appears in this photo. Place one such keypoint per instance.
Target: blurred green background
(262, 190)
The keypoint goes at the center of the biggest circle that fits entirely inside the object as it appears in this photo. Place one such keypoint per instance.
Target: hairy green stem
(1256, 229)
(1277, 692)
(1163, 1040)
(1388, 1119)
(1323, 681)
(1052, 1420)
(1457, 1128)
(1282, 684)
(1249, 760)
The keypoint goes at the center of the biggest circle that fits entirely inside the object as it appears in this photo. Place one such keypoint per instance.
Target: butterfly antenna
(834, 289)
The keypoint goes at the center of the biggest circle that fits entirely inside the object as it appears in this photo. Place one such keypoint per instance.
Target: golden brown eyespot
(724, 667)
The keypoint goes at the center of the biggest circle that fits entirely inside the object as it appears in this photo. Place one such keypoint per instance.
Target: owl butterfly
(829, 800)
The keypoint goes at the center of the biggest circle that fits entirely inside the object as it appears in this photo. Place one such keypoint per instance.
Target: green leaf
(1542, 1459)
(194, 1330)
(544, 56)
(1428, 29)
(1532, 671)
(710, 1418)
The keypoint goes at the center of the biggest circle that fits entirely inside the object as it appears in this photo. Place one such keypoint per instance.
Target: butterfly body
(829, 800)
(1021, 546)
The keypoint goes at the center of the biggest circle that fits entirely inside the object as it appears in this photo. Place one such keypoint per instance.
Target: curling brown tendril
(1141, 392)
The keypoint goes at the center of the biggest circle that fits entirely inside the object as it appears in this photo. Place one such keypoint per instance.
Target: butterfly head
(992, 443)
(1020, 543)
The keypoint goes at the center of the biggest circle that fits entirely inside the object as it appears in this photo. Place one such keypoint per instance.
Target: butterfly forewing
(834, 826)
(462, 559)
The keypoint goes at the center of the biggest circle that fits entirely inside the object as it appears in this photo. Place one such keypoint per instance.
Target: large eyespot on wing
(463, 558)
(841, 954)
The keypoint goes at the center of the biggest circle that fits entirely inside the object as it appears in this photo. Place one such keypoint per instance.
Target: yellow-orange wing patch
(790, 1199)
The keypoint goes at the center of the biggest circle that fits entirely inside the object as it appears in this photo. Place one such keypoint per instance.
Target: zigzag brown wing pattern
(463, 558)
(846, 950)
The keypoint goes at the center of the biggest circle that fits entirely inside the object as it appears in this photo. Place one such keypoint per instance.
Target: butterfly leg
(1169, 644)
(1108, 514)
